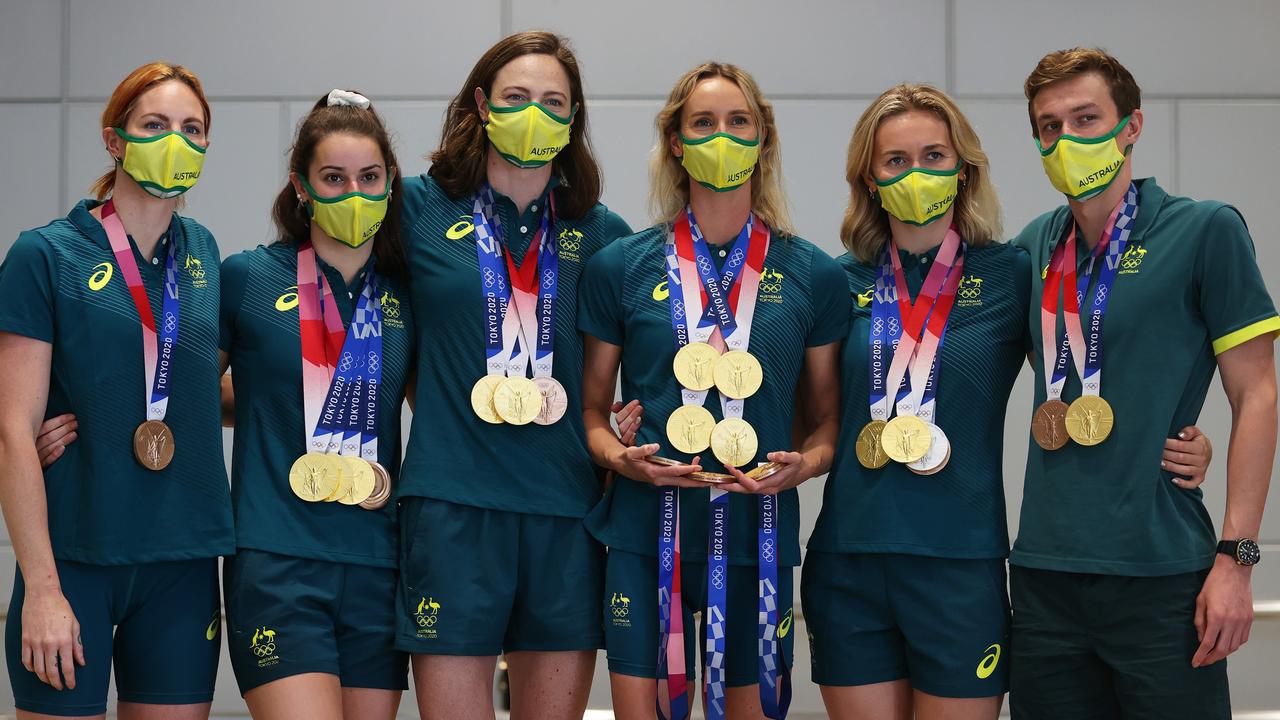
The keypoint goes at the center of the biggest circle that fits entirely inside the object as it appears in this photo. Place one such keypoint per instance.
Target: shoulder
(1040, 231)
(606, 222)
(422, 195)
(193, 231)
(1000, 253)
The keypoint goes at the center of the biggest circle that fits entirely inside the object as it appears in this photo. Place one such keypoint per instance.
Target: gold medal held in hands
(905, 439)
(482, 398)
(314, 476)
(1089, 420)
(733, 441)
(689, 429)
(695, 364)
(870, 452)
(738, 374)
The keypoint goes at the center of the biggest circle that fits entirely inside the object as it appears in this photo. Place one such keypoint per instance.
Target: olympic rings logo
(717, 578)
(170, 322)
(893, 325)
(877, 326)
(374, 362)
(266, 650)
(548, 279)
(347, 362)
(489, 277)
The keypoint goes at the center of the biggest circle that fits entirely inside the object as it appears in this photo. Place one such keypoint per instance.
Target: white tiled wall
(1209, 71)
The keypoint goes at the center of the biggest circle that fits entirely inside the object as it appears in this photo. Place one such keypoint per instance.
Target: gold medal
(153, 445)
(738, 374)
(760, 472)
(1089, 420)
(938, 455)
(870, 452)
(554, 400)
(905, 438)
(344, 479)
(695, 364)
(706, 477)
(381, 488)
(689, 428)
(734, 442)
(1048, 425)
(482, 398)
(314, 476)
(362, 480)
(517, 400)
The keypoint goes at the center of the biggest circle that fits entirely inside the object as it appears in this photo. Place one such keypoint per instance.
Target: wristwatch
(1244, 551)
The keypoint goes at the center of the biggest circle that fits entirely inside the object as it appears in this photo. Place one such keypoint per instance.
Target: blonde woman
(904, 583)
(712, 315)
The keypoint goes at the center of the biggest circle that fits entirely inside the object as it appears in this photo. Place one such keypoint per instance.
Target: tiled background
(1209, 72)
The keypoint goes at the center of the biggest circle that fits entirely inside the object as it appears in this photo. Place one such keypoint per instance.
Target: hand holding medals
(520, 304)
(1087, 420)
(341, 374)
(912, 333)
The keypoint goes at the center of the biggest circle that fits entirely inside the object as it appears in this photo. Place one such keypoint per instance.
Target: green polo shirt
(803, 302)
(260, 334)
(60, 284)
(958, 512)
(1188, 289)
(453, 455)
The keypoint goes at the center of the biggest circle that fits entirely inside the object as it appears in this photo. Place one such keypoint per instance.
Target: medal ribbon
(674, 703)
(894, 316)
(158, 344)
(341, 369)
(775, 678)
(519, 302)
(1075, 347)
(920, 400)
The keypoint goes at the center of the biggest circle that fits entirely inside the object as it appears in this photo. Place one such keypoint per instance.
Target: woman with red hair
(110, 313)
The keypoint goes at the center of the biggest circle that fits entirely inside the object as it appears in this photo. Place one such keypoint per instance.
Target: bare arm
(819, 400)
(1224, 609)
(49, 627)
(228, 391)
(599, 378)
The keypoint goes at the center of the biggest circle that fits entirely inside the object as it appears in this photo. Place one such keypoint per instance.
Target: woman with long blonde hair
(712, 314)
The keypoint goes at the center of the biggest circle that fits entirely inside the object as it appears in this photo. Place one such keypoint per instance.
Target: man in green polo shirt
(1122, 607)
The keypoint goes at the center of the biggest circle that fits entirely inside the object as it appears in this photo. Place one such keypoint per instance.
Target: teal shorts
(479, 582)
(157, 623)
(631, 617)
(940, 623)
(288, 615)
(1106, 647)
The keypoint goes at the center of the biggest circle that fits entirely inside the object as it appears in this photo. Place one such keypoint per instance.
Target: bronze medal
(706, 477)
(1049, 425)
(870, 452)
(554, 400)
(905, 438)
(760, 472)
(153, 445)
(381, 488)
(1089, 420)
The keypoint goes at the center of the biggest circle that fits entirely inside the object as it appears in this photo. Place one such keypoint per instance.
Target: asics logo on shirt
(660, 292)
(784, 627)
(289, 300)
(864, 298)
(102, 273)
(989, 662)
(211, 632)
(460, 229)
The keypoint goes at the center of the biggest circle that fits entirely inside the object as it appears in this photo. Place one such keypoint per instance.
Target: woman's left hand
(793, 472)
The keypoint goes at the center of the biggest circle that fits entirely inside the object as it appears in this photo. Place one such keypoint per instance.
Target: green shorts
(631, 617)
(479, 582)
(288, 615)
(1104, 647)
(941, 623)
(157, 623)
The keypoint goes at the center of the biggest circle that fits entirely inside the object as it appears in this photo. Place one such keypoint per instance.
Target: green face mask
(528, 135)
(919, 196)
(352, 219)
(164, 165)
(721, 161)
(1081, 168)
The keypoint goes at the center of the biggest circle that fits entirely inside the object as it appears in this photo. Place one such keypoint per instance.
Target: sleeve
(829, 288)
(1233, 297)
(27, 280)
(234, 280)
(1022, 289)
(600, 295)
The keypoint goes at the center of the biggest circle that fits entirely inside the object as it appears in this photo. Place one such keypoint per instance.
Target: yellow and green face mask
(165, 165)
(920, 195)
(721, 161)
(352, 219)
(1080, 168)
(528, 135)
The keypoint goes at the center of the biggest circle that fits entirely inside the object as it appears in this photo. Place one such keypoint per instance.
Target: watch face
(1247, 553)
